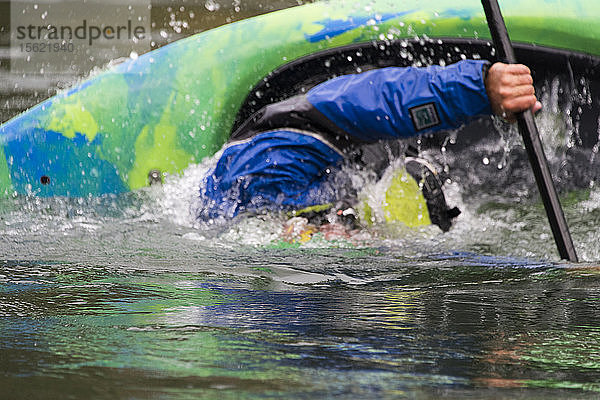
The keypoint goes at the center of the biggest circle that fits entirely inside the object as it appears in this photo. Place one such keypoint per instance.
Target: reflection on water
(455, 327)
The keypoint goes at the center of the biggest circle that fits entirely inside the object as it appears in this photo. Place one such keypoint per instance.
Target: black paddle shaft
(532, 141)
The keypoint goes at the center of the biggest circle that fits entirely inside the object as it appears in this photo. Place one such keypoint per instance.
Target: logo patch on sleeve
(425, 116)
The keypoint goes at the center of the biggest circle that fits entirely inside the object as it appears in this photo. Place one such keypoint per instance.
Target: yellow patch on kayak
(73, 119)
(317, 208)
(156, 149)
(404, 201)
(307, 234)
(367, 213)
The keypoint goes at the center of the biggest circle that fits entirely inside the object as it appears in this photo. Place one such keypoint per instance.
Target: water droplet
(212, 5)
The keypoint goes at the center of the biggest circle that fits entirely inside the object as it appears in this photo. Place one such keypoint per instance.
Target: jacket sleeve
(391, 103)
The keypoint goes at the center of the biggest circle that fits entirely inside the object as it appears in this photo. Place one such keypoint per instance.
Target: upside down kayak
(174, 106)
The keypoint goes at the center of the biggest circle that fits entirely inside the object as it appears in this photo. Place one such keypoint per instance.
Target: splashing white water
(500, 213)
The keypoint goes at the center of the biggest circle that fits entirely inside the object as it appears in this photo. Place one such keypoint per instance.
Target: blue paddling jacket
(282, 156)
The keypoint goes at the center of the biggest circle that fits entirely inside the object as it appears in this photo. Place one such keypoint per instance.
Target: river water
(129, 297)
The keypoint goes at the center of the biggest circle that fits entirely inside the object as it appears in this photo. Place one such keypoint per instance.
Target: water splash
(490, 181)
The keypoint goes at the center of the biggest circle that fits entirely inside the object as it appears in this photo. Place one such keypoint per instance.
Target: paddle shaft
(532, 141)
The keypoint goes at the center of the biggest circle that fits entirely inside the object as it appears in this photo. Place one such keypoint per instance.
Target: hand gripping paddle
(532, 141)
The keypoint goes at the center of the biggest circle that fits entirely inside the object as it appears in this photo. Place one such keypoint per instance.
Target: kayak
(158, 113)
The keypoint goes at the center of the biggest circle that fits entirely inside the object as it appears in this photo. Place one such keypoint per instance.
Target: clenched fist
(510, 90)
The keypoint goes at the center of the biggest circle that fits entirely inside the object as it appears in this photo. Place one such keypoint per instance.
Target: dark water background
(127, 297)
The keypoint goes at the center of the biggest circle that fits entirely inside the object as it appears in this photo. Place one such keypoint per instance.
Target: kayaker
(284, 156)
